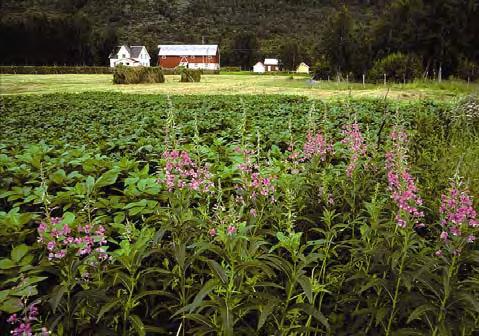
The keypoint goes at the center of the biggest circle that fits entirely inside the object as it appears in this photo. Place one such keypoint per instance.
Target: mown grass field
(233, 84)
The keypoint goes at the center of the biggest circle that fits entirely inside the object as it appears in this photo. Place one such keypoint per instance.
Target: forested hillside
(342, 36)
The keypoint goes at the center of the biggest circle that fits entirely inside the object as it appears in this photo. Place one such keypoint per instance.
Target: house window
(193, 57)
(163, 57)
(127, 63)
(210, 57)
(123, 55)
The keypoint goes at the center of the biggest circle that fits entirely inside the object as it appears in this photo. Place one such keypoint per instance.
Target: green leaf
(419, 311)
(305, 283)
(6, 264)
(311, 310)
(218, 271)
(137, 324)
(107, 178)
(106, 308)
(68, 218)
(11, 306)
(265, 311)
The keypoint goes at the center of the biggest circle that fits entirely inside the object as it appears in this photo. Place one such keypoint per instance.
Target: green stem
(398, 282)
(447, 291)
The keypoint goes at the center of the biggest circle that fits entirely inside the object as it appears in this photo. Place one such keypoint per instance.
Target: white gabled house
(130, 56)
(259, 68)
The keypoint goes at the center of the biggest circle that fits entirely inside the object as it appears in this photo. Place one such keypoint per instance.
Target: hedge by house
(50, 70)
(129, 75)
(189, 75)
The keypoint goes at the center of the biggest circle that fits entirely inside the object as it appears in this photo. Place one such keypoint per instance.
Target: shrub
(231, 69)
(137, 75)
(398, 67)
(189, 75)
(322, 70)
(47, 70)
(468, 70)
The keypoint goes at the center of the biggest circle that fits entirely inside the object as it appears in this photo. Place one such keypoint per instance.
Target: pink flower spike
(231, 230)
(212, 232)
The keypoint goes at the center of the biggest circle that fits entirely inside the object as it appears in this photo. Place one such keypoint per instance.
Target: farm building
(302, 68)
(271, 64)
(130, 56)
(199, 56)
(259, 67)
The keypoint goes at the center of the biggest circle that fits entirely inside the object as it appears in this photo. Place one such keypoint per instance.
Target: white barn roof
(188, 49)
(270, 61)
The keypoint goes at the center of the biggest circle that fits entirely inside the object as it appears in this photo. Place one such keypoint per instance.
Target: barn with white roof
(193, 56)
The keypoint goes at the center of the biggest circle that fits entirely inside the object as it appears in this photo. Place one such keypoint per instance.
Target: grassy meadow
(236, 83)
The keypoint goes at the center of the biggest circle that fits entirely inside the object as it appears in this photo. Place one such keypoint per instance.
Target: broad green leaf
(107, 178)
(18, 252)
(7, 263)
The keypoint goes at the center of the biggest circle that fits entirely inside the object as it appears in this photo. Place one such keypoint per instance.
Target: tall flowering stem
(353, 138)
(401, 184)
(181, 172)
(459, 228)
(404, 192)
(458, 218)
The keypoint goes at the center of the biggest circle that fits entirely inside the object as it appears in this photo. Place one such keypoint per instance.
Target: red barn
(196, 56)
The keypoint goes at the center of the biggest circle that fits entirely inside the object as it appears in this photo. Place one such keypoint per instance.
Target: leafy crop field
(238, 215)
(234, 84)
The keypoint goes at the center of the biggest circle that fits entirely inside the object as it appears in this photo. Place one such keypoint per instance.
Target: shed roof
(270, 61)
(188, 49)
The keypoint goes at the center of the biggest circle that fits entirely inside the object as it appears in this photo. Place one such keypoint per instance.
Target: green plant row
(142, 215)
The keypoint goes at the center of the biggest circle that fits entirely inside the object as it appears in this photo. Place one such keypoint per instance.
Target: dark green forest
(427, 37)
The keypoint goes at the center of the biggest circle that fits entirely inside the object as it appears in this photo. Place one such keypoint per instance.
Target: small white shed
(259, 68)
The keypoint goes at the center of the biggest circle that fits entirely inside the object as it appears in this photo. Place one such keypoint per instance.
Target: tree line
(429, 38)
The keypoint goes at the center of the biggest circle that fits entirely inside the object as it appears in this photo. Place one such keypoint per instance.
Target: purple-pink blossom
(356, 144)
(182, 173)
(82, 240)
(401, 184)
(231, 230)
(458, 217)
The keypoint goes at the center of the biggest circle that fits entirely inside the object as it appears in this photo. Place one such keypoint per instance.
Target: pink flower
(212, 232)
(438, 253)
(231, 230)
(12, 319)
(51, 245)
(357, 146)
(253, 212)
(444, 235)
(471, 239)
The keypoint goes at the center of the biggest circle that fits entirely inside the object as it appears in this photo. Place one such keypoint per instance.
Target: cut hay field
(233, 84)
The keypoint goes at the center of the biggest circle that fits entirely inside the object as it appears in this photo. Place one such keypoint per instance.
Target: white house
(259, 67)
(130, 56)
(271, 64)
